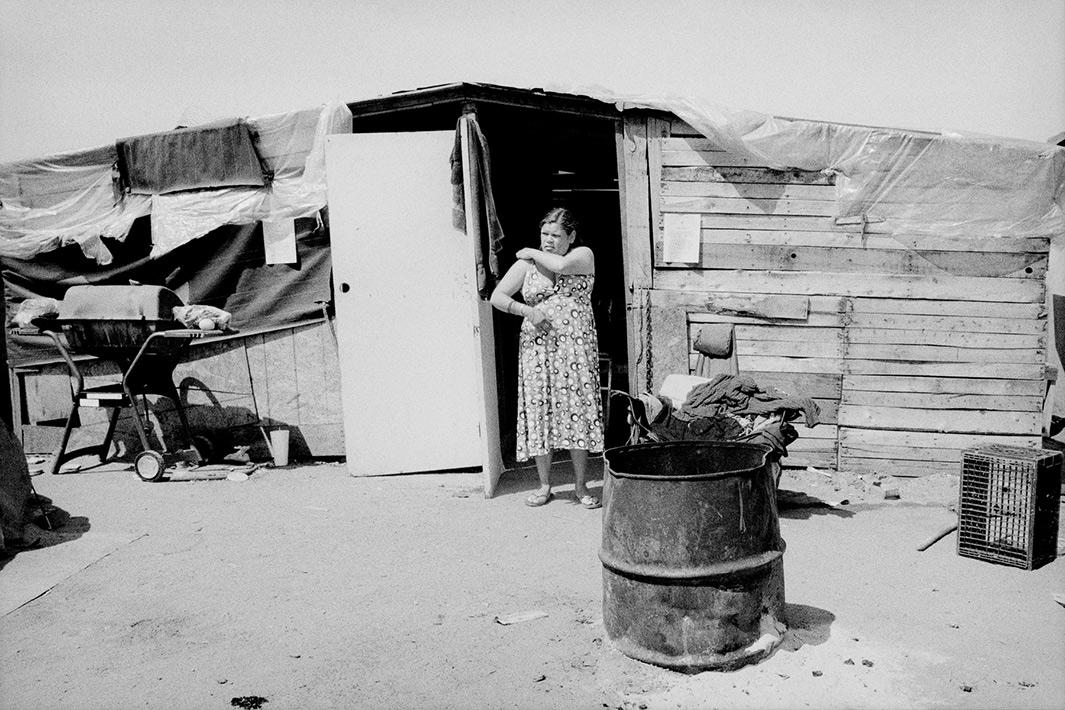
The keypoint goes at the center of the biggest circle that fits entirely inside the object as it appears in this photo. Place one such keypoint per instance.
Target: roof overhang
(481, 94)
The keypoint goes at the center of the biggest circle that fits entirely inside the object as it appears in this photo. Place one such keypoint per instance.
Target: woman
(558, 370)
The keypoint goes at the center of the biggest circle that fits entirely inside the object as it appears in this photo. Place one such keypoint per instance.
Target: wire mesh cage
(1008, 505)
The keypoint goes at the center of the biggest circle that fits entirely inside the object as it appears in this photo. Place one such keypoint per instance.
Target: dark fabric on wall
(488, 249)
(225, 268)
(221, 154)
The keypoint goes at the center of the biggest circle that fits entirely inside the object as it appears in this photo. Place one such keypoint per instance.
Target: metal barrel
(693, 575)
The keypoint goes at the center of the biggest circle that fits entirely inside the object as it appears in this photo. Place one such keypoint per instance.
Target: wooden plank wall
(284, 378)
(915, 346)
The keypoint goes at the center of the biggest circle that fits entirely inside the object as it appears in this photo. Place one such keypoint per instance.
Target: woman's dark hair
(563, 218)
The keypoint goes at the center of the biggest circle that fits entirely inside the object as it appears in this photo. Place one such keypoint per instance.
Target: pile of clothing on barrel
(723, 408)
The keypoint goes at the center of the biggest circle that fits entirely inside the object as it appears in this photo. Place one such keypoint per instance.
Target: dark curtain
(225, 268)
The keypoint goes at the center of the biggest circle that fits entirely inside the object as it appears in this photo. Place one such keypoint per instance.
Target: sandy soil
(308, 588)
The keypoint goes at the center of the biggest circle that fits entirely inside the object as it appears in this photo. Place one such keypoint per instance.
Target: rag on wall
(714, 345)
(714, 340)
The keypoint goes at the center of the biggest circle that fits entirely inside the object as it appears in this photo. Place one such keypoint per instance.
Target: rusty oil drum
(693, 573)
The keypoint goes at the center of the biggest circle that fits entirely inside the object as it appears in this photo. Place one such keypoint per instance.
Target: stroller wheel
(149, 465)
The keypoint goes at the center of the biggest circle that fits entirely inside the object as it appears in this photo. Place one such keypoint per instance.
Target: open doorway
(542, 160)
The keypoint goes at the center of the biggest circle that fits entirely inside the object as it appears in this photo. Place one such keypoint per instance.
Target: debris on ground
(519, 617)
(248, 702)
(831, 487)
(937, 537)
(239, 455)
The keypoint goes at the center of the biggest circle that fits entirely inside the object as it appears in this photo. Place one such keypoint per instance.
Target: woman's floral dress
(559, 405)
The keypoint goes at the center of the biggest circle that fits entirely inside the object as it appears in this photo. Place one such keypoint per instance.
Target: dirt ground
(306, 588)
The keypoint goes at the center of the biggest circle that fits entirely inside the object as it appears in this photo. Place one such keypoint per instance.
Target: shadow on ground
(796, 505)
(59, 527)
(523, 480)
(807, 626)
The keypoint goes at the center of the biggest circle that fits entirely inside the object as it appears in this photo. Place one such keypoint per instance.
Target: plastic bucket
(279, 446)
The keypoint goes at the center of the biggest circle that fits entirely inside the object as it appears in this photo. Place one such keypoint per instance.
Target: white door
(407, 313)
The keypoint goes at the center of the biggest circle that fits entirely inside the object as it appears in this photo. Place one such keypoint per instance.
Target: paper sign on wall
(279, 242)
(680, 237)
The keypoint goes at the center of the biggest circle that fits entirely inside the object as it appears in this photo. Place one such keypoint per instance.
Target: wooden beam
(741, 206)
(739, 304)
(634, 196)
(696, 143)
(937, 353)
(949, 324)
(657, 130)
(700, 158)
(958, 421)
(746, 175)
(1007, 371)
(854, 240)
(927, 439)
(957, 338)
(749, 190)
(902, 453)
(929, 400)
(814, 319)
(795, 333)
(768, 256)
(949, 307)
(944, 385)
(899, 286)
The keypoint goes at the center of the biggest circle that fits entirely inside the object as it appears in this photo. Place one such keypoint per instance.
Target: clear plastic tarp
(893, 181)
(888, 181)
(72, 198)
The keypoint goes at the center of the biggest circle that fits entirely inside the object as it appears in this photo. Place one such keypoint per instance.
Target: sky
(78, 74)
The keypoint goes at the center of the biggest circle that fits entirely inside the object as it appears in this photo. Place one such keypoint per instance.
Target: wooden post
(634, 193)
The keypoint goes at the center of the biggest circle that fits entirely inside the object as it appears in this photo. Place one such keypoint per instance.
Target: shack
(898, 277)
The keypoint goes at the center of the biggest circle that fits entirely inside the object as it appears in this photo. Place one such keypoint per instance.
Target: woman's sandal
(537, 499)
(590, 502)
